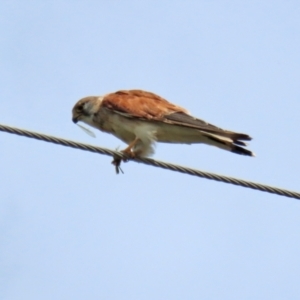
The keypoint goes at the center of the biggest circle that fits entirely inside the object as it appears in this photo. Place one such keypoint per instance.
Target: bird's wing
(148, 106)
(139, 104)
(187, 120)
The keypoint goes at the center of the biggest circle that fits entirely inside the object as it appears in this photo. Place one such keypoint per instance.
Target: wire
(152, 162)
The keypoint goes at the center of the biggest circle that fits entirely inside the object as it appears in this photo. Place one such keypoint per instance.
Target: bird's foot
(128, 154)
(117, 160)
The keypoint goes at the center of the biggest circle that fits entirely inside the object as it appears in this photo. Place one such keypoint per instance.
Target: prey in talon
(140, 119)
(117, 163)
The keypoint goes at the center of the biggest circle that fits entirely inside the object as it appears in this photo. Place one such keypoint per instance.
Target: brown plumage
(141, 118)
(140, 104)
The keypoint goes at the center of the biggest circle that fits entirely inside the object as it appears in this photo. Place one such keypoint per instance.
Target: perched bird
(141, 118)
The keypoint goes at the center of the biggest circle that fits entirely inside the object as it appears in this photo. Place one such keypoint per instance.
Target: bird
(140, 119)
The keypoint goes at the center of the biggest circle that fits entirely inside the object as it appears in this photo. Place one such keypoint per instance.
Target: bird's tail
(229, 144)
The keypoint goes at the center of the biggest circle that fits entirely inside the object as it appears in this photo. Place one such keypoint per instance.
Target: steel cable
(152, 162)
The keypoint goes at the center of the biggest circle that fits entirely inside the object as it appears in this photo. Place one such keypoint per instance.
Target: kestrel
(141, 118)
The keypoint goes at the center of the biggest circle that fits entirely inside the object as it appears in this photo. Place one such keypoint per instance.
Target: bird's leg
(128, 152)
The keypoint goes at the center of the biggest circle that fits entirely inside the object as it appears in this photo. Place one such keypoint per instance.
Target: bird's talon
(129, 155)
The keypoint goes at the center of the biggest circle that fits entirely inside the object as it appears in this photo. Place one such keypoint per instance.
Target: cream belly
(128, 129)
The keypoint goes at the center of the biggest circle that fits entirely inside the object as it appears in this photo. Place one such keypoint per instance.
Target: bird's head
(85, 108)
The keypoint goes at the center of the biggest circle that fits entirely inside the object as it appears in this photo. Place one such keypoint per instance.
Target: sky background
(70, 228)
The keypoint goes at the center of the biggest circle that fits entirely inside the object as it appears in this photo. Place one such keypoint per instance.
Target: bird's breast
(115, 124)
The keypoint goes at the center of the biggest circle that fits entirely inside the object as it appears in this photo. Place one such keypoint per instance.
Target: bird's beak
(75, 119)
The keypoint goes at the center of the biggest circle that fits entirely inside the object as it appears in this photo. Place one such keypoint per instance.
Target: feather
(87, 131)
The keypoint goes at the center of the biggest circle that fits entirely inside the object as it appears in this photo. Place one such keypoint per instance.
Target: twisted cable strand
(152, 162)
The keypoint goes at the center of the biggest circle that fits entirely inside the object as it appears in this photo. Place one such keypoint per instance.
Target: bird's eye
(80, 107)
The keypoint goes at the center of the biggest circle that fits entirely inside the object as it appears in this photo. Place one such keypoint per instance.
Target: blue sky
(70, 228)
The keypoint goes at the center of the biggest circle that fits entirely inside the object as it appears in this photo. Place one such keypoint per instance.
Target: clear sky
(70, 228)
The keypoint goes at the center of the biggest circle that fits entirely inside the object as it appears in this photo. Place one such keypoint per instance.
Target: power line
(152, 162)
